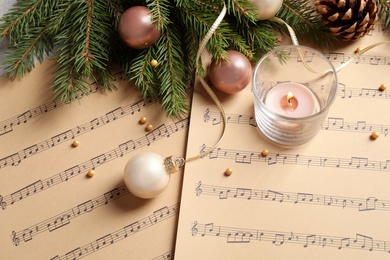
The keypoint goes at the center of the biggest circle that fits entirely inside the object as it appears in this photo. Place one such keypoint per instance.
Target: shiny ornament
(145, 175)
(267, 8)
(233, 75)
(136, 28)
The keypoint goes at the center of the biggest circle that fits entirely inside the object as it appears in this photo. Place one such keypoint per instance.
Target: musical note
(85, 207)
(58, 222)
(27, 234)
(361, 204)
(69, 173)
(15, 239)
(114, 114)
(279, 240)
(160, 214)
(117, 235)
(3, 204)
(311, 238)
(370, 204)
(29, 151)
(194, 230)
(239, 237)
(132, 228)
(74, 254)
(359, 163)
(243, 158)
(206, 116)
(75, 170)
(104, 241)
(243, 193)
(98, 160)
(114, 194)
(67, 135)
(223, 194)
(303, 197)
(344, 242)
(6, 128)
(12, 160)
(364, 241)
(23, 118)
(198, 190)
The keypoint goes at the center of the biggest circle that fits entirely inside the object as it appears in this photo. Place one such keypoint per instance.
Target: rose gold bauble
(233, 75)
(136, 28)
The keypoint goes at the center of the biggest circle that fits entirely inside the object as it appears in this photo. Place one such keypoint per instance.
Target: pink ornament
(233, 75)
(136, 28)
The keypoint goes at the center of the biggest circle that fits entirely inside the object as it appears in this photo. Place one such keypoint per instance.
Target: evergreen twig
(84, 34)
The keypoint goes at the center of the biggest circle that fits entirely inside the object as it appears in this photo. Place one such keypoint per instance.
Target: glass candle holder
(294, 87)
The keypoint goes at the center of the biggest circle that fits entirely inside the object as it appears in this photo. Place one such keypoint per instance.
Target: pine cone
(349, 19)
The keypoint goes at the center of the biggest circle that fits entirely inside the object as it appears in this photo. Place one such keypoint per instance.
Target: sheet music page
(327, 199)
(49, 209)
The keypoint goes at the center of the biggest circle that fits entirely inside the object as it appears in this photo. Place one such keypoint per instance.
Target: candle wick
(290, 96)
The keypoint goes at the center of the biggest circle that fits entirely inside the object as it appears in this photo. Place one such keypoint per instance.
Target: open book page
(327, 199)
(49, 209)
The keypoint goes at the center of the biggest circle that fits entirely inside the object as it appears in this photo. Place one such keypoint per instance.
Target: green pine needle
(82, 36)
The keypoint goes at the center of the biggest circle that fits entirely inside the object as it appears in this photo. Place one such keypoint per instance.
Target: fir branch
(142, 72)
(20, 58)
(384, 11)
(201, 24)
(242, 9)
(25, 27)
(85, 49)
(307, 25)
(17, 18)
(191, 46)
(172, 73)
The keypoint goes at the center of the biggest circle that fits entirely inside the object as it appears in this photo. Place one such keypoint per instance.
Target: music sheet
(327, 199)
(49, 209)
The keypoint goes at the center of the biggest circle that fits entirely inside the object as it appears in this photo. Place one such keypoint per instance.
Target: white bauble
(145, 175)
(267, 8)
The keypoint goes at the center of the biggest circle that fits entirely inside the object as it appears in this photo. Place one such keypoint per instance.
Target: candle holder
(290, 119)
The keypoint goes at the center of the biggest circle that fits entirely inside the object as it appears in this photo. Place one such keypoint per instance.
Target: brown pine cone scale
(349, 19)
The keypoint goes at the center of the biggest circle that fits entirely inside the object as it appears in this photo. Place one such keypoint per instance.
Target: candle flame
(289, 97)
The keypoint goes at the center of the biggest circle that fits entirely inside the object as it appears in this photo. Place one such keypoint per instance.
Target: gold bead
(149, 127)
(228, 171)
(154, 63)
(358, 50)
(383, 87)
(75, 143)
(142, 120)
(90, 173)
(264, 153)
(374, 135)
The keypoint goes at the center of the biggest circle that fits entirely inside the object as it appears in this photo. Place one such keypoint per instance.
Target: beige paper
(327, 199)
(49, 209)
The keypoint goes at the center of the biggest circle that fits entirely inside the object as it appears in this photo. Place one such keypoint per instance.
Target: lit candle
(291, 99)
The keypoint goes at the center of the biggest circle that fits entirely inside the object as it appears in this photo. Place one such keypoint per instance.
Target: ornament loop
(180, 161)
(170, 165)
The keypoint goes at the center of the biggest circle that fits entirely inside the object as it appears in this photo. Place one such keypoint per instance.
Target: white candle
(291, 99)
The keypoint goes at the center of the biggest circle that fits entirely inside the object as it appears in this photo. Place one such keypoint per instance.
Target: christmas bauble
(136, 29)
(232, 75)
(267, 8)
(145, 175)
